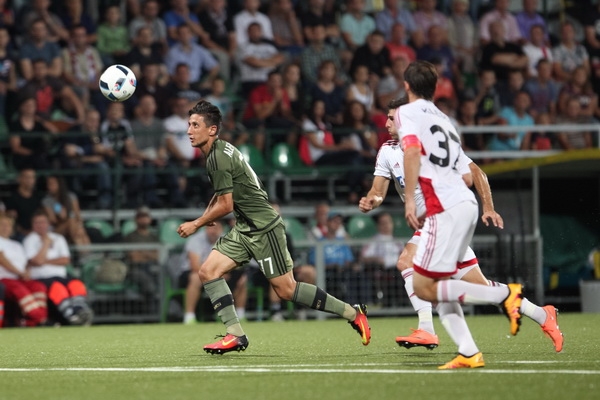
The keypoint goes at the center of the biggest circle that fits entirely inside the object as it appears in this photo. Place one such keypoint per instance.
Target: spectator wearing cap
(143, 263)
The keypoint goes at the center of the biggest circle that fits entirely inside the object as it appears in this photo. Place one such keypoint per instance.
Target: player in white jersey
(390, 167)
(432, 155)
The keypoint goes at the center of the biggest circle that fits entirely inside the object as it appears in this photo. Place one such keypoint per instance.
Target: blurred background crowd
(305, 82)
(315, 76)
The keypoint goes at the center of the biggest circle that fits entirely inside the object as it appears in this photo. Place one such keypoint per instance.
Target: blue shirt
(526, 21)
(172, 19)
(384, 21)
(198, 59)
(335, 254)
(48, 52)
(358, 29)
(514, 143)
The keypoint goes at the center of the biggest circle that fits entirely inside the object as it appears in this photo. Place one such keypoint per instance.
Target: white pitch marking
(278, 369)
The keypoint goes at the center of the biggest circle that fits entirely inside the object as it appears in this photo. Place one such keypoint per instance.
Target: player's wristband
(410, 141)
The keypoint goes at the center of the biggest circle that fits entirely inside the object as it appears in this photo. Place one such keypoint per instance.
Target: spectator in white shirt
(49, 256)
(250, 14)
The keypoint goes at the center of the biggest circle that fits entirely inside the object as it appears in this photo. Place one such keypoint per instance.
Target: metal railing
(503, 258)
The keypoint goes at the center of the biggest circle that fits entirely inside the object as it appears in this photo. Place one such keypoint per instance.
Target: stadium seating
(286, 158)
(297, 178)
(295, 228)
(253, 156)
(167, 232)
(401, 227)
(361, 227)
(105, 227)
(128, 227)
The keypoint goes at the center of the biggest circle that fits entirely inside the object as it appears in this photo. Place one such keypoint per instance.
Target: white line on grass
(315, 369)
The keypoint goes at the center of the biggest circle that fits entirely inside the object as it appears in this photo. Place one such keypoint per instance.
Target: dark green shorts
(269, 249)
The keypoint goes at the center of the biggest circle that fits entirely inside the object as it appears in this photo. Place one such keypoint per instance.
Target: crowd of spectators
(316, 75)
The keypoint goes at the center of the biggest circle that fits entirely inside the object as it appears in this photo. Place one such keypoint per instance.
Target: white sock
(470, 293)
(533, 311)
(241, 312)
(189, 317)
(453, 320)
(528, 309)
(422, 307)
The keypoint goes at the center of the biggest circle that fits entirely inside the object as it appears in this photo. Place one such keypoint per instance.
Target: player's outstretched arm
(482, 186)
(376, 195)
(218, 208)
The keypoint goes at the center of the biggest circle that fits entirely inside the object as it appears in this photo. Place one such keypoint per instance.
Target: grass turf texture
(296, 360)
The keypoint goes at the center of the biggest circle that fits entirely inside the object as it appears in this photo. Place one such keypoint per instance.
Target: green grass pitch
(296, 360)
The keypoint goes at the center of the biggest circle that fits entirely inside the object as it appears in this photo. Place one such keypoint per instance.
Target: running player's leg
(211, 274)
(452, 317)
(425, 334)
(276, 263)
(546, 317)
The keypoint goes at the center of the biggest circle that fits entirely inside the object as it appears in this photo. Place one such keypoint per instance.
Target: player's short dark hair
(422, 78)
(395, 103)
(210, 113)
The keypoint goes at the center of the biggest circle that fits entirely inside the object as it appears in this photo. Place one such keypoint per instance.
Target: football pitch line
(308, 368)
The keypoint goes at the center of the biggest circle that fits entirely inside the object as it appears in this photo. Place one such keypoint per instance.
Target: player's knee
(425, 292)
(204, 274)
(284, 292)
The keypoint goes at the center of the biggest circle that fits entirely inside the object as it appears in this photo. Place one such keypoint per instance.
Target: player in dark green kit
(259, 233)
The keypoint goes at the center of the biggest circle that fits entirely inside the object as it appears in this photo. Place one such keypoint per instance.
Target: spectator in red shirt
(269, 108)
(397, 47)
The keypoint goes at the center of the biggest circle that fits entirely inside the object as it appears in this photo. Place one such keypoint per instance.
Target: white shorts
(445, 238)
(468, 260)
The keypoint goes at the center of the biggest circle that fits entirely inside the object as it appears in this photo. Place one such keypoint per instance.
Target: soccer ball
(117, 83)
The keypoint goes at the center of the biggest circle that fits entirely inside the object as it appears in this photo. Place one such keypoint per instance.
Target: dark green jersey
(230, 173)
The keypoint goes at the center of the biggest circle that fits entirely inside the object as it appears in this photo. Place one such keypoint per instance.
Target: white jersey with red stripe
(390, 165)
(442, 167)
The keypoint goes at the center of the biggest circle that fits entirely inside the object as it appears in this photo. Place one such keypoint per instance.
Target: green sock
(222, 301)
(317, 299)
